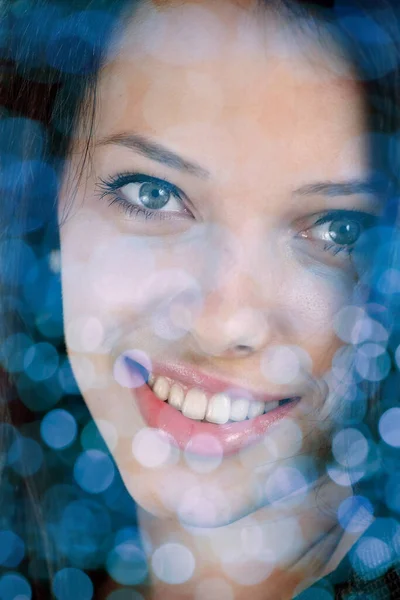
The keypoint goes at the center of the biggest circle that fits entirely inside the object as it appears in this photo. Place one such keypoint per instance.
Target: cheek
(123, 291)
(103, 270)
(312, 302)
(112, 275)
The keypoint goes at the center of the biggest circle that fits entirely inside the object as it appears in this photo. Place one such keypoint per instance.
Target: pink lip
(194, 436)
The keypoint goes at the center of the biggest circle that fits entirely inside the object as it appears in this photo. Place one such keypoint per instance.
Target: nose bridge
(238, 283)
(242, 254)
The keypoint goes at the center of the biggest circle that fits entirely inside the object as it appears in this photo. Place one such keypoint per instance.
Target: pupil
(345, 233)
(153, 195)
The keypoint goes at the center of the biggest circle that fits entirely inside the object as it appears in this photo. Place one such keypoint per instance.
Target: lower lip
(194, 436)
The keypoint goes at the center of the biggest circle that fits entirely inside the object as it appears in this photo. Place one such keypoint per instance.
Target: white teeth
(195, 404)
(270, 406)
(176, 396)
(239, 409)
(255, 409)
(219, 409)
(161, 388)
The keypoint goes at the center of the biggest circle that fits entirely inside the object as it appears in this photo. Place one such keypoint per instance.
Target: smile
(220, 408)
(189, 410)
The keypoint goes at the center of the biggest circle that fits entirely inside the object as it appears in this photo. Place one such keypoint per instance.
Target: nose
(226, 329)
(240, 315)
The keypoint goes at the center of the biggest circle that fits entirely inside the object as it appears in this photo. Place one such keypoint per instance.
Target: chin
(194, 502)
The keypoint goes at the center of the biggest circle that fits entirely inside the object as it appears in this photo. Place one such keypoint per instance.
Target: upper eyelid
(118, 181)
(328, 215)
(319, 219)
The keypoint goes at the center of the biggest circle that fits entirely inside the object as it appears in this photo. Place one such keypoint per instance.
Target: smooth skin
(240, 267)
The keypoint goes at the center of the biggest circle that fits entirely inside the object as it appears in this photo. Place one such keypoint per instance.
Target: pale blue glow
(58, 429)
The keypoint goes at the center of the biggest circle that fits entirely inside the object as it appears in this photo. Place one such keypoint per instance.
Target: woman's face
(209, 239)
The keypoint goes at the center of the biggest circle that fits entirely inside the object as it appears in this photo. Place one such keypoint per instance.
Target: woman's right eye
(145, 196)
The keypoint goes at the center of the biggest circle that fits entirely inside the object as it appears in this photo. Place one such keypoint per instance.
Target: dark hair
(51, 53)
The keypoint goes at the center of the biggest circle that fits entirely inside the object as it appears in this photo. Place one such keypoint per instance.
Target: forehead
(201, 71)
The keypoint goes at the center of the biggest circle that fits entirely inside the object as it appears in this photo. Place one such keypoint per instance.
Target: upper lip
(214, 384)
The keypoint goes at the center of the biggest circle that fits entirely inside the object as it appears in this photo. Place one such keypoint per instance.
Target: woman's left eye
(339, 230)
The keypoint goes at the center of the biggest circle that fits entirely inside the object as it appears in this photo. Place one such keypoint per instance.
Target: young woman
(212, 186)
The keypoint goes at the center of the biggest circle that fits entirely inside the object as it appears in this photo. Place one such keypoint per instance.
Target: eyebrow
(159, 153)
(346, 188)
(155, 151)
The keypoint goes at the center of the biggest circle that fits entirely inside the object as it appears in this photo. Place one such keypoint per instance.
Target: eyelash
(366, 220)
(110, 188)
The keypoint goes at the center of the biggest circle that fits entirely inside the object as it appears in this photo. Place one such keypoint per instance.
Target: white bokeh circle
(152, 448)
(203, 464)
(173, 563)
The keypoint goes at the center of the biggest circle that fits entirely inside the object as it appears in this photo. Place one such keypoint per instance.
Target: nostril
(243, 349)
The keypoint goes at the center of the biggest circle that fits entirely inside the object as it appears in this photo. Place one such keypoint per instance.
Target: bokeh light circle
(285, 483)
(374, 552)
(173, 563)
(12, 549)
(58, 429)
(25, 456)
(346, 322)
(126, 563)
(41, 361)
(203, 505)
(131, 368)
(392, 492)
(94, 471)
(280, 364)
(343, 476)
(350, 447)
(152, 447)
(389, 427)
(84, 334)
(13, 586)
(343, 363)
(353, 326)
(16, 247)
(72, 584)
(371, 557)
(372, 362)
(284, 439)
(203, 464)
(81, 531)
(13, 350)
(355, 514)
